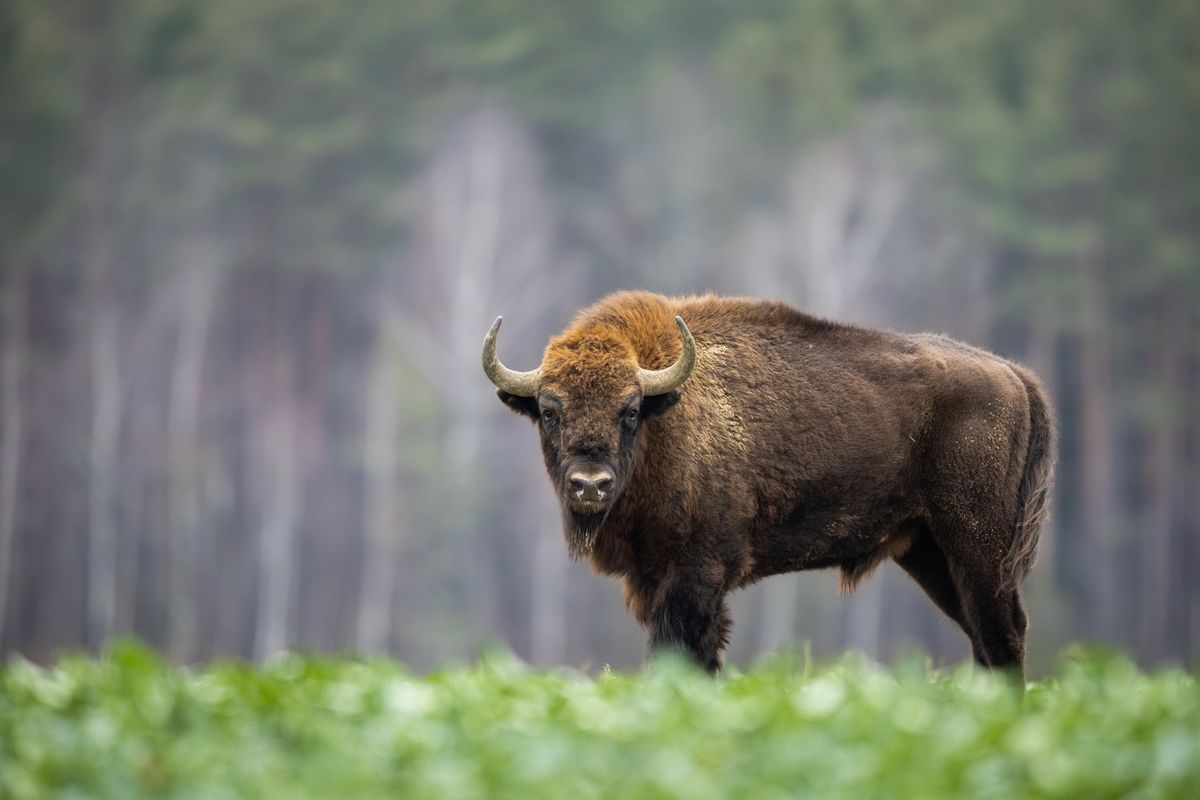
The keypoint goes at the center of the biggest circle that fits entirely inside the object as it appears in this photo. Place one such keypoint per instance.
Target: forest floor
(130, 725)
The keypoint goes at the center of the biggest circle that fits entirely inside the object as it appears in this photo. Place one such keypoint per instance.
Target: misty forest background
(248, 252)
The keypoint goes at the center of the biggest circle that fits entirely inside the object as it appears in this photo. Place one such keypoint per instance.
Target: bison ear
(653, 406)
(521, 405)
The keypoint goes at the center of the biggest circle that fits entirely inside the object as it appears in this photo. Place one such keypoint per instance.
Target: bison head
(589, 400)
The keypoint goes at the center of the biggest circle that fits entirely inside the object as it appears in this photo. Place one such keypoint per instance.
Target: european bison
(700, 444)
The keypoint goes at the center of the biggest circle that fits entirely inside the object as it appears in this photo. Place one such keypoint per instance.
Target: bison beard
(769, 441)
(581, 531)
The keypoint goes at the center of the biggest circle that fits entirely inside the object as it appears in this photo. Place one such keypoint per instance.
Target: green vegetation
(248, 249)
(130, 725)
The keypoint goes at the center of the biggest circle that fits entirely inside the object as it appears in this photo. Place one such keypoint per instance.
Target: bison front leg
(691, 616)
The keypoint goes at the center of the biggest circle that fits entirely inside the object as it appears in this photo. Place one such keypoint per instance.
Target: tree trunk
(103, 335)
(1158, 519)
(102, 461)
(483, 215)
(780, 607)
(278, 474)
(1186, 536)
(12, 368)
(548, 579)
(380, 551)
(184, 480)
(1098, 514)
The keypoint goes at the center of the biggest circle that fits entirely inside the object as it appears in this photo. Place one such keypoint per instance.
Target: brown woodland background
(248, 251)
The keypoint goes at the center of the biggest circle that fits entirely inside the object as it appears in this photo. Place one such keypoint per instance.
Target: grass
(129, 725)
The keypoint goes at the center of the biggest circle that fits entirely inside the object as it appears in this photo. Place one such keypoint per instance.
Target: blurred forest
(248, 251)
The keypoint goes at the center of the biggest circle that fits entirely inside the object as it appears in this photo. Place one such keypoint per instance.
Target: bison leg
(691, 616)
(990, 607)
(998, 619)
(927, 565)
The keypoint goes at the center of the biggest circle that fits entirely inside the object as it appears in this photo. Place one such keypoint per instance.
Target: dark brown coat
(796, 443)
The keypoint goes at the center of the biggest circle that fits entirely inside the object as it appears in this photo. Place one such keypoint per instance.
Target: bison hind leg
(926, 563)
(991, 606)
(999, 623)
(993, 613)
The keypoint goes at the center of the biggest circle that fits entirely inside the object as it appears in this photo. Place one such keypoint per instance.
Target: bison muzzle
(700, 444)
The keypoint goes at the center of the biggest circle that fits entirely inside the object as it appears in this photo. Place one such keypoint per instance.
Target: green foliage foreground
(130, 725)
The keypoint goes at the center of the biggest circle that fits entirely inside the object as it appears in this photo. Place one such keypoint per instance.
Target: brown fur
(796, 443)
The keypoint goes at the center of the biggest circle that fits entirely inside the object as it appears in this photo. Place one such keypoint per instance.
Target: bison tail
(1034, 496)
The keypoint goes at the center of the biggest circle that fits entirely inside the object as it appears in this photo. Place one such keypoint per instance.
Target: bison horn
(518, 384)
(668, 379)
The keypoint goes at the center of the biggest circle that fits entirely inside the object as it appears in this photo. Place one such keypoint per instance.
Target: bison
(700, 444)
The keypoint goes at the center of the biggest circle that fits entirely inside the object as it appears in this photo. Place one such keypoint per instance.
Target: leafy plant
(131, 725)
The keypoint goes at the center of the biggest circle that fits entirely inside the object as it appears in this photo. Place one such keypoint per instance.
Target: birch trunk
(277, 534)
(380, 551)
(184, 484)
(102, 464)
(485, 217)
(103, 334)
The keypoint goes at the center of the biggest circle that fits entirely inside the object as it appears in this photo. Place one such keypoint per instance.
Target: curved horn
(518, 384)
(661, 381)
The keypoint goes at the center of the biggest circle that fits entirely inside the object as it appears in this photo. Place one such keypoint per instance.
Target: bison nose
(590, 485)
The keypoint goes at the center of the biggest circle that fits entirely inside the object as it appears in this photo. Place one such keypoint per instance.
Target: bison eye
(631, 413)
(548, 415)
